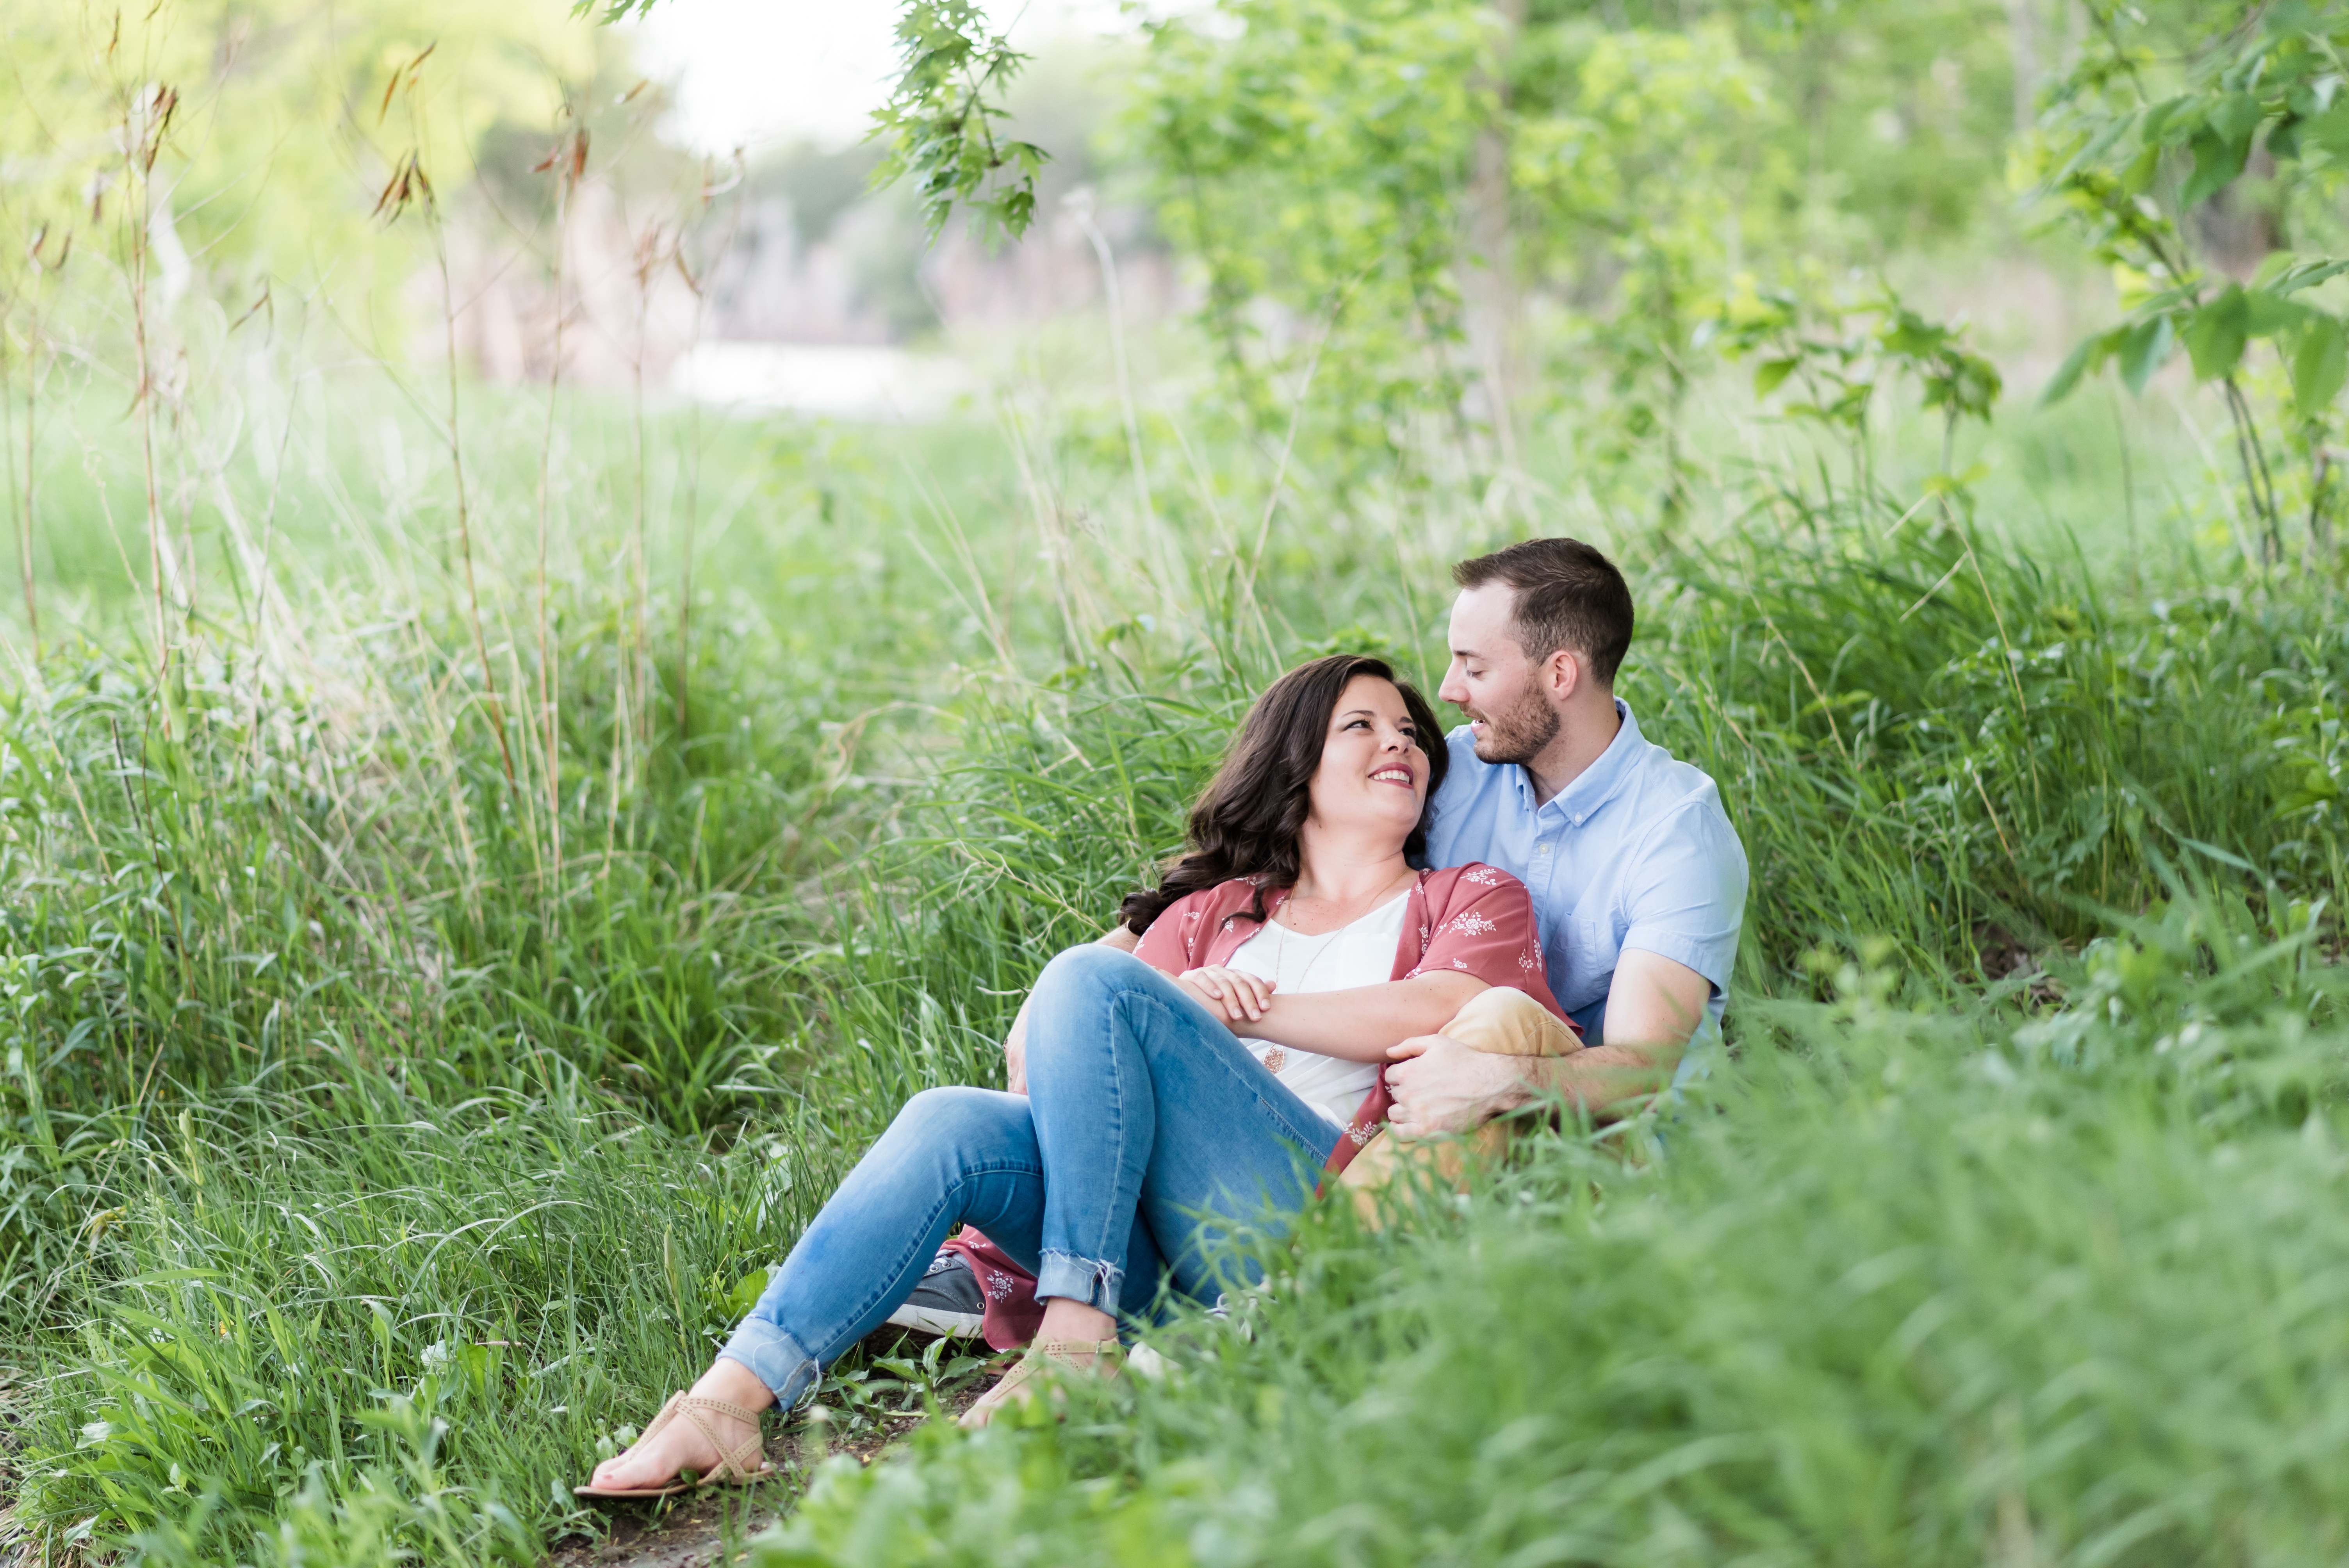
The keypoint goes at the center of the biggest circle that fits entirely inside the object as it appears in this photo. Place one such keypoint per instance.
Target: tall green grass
(2010, 1233)
(385, 1135)
(1923, 1288)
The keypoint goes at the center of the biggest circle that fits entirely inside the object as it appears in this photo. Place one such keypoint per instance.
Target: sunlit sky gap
(762, 73)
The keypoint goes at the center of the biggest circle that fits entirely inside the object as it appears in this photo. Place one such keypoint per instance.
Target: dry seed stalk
(146, 118)
(410, 186)
(568, 159)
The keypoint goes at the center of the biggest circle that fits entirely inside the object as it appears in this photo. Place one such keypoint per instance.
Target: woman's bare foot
(654, 1461)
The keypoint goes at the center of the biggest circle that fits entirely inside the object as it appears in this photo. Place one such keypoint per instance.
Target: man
(1638, 878)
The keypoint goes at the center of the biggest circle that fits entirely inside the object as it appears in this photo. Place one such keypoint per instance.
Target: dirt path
(688, 1533)
(692, 1531)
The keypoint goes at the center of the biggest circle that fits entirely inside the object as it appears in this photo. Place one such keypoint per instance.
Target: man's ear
(1562, 675)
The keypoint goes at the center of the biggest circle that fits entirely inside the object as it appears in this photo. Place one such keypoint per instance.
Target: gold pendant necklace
(1275, 1058)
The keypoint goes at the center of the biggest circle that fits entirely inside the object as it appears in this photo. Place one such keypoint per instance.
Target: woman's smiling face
(1374, 768)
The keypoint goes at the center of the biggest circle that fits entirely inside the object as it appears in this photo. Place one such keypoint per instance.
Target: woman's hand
(1231, 994)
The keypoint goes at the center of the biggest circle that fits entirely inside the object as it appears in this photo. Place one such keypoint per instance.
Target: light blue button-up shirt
(1636, 853)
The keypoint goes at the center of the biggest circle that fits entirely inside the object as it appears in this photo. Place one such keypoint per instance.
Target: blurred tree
(283, 133)
(1311, 156)
(1398, 194)
(2190, 143)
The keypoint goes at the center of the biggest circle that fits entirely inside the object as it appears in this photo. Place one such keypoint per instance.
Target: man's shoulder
(1676, 801)
(1664, 783)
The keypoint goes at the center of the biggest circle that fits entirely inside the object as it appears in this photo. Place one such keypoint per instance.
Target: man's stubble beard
(1519, 732)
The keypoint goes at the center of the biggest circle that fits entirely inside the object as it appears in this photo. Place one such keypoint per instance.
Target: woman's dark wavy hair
(1247, 822)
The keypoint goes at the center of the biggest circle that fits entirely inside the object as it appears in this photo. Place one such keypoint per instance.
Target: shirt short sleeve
(1487, 929)
(1685, 895)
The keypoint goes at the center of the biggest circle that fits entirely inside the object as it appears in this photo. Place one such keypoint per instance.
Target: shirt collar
(1597, 784)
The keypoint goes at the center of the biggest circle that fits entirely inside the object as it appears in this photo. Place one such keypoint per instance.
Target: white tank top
(1361, 953)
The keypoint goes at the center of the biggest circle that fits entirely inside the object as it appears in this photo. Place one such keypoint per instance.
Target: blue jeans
(1148, 1132)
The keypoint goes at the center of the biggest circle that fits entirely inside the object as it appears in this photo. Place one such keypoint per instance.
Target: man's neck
(1580, 741)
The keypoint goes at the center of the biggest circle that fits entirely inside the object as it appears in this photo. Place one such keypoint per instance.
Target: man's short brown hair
(1568, 596)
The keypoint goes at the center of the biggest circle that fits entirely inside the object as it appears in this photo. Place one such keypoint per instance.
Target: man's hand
(1438, 1085)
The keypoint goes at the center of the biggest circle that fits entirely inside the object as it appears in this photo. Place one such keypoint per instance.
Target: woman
(1173, 1094)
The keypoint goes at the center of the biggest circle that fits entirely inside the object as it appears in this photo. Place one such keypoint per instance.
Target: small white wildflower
(436, 1356)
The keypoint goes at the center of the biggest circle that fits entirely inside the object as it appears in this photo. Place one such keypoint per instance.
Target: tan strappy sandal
(1044, 1357)
(745, 1465)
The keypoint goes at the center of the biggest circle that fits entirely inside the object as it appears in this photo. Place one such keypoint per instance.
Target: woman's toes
(620, 1471)
(657, 1462)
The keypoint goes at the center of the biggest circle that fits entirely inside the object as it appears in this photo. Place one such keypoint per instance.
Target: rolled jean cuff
(774, 1358)
(1072, 1278)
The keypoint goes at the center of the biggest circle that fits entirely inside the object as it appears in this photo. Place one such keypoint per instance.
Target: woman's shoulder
(1192, 927)
(1227, 898)
(1210, 906)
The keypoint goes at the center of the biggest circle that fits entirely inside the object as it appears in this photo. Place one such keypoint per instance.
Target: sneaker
(947, 1303)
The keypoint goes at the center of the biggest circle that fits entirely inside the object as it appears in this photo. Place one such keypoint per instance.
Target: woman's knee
(941, 1135)
(946, 1116)
(1094, 969)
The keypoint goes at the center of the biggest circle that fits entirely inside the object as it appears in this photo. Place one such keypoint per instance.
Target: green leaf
(2218, 159)
(2216, 331)
(2161, 114)
(2329, 130)
(2283, 141)
(746, 1293)
(2320, 362)
(2096, 148)
(2270, 314)
(2224, 857)
(1769, 376)
(2296, 275)
(2091, 354)
(2236, 116)
(2143, 351)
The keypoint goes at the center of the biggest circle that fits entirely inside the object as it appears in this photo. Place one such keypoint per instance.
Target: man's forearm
(1599, 1077)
